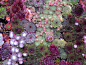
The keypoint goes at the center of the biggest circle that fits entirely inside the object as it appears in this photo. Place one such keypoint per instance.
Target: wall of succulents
(42, 32)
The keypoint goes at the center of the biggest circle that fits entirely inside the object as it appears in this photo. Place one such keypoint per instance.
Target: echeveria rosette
(3, 12)
(54, 51)
(56, 23)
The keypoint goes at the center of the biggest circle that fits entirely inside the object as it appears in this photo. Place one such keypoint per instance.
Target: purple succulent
(54, 50)
(62, 62)
(77, 63)
(20, 14)
(5, 51)
(48, 60)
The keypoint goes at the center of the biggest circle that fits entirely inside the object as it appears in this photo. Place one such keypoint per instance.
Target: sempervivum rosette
(17, 29)
(66, 10)
(68, 37)
(54, 51)
(30, 27)
(38, 3)
(23, 22)
(14, 8)
(49, 36)
(20, 14)
(31, 49)
(30, 38)
(69, 47)
(48, 60)
(71, 57)
(3, 12)
(77, 63)
(56, 23)
(78, 10)
(62, 62)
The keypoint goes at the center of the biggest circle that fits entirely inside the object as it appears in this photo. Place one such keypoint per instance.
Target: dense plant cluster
(42, 32)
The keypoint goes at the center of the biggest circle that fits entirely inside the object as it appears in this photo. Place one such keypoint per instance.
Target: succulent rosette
(77, 63)
(56, 23)
(3, 12)
(5, 51)
(54, 50)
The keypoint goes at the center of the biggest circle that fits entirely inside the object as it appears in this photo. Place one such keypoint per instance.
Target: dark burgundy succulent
(62, 62)
(15, 9)
(48, 60)
(77, 63)
(78, 10)
(79, 42)
(54, 50)
(20, 14)
(69, 63)
(78, 29)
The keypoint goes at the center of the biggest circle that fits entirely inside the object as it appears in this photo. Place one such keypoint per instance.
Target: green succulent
(45, 11)
(79, 58)
(84, 62)
(66, 10)
(63, 55)
(31, 49)
(73, 1)
(69, 47)
(56, 23)
(53, 8)
(61, 50)
(41, 48)
(57, 60)
(39, 29)
(68, 37)
(3, 12)
(37, 43)
(71, 57)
